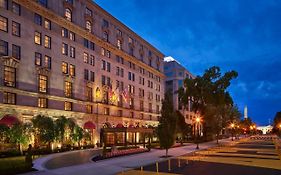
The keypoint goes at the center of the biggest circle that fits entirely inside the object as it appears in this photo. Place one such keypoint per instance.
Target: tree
(44, 129)
(208, 96)
(60, 126)
(4, 133)
(167, 125)
(18, 134)
(277, 124)
(77, 135)
(182, 127)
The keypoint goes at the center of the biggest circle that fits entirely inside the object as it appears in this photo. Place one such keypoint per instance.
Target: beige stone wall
(27, 71)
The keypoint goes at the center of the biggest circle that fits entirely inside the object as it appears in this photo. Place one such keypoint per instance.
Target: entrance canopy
(89, 125)
(9, 120)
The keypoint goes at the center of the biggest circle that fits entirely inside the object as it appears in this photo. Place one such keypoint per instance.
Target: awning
(119, 125)
(9, 120)
(131, 126)
(89, 125)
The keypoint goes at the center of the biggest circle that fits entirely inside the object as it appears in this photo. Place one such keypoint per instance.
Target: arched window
(89, 26)
(68, 14)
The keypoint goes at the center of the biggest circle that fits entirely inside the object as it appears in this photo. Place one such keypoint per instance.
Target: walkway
(256, 155)
(119, 164)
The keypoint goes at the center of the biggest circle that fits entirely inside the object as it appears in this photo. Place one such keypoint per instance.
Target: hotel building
(72, 58)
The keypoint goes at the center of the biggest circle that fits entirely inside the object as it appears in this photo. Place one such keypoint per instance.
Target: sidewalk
(119, 164)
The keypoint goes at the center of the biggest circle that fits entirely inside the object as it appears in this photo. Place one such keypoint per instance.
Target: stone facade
(108, 58)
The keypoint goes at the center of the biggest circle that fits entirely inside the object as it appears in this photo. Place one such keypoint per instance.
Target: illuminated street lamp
(232, 130)
(197, 120)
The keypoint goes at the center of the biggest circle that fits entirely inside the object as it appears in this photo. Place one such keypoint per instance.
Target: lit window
(72, 52)
(37, 38)
(64, 33)
(68, 89)
(86, 57)
(89, 26)
(130, 40)
(47, 24)
(16, 8)
(68, 106)
(64, 49)
(16, 52)
(71, 70)
(64, 67)
(43, 83)
(3, 48)
(9, 98)
(68, 14)
(42, 102)
(47, 62)
(9, 76)
(72, 36)
(102, 51)
(3, 24)
(47, 42)
(38, 59)
(15, 28)
(119, 44)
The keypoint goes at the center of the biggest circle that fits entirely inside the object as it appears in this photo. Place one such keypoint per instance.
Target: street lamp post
(98, 95)
(232, 130)
(197, 135)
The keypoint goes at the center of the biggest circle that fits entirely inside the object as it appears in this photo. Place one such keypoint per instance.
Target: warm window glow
(119, 44)
(89, 26)
(68, 14)
(3, 24)
(9, 76)
(42, 102)
(37, 38)
(67, 106)
(43, 83)
(64, 67)
(68, 89)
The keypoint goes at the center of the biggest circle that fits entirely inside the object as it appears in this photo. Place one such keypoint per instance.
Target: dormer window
(89, 12)
(89, 26)
(105, 36)
(68, 14)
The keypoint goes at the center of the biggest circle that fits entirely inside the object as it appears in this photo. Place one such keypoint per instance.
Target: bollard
(157, 167)
(179, 163)
(141, 168)
(169, 165)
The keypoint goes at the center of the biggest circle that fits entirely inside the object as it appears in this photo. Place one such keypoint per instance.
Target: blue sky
(241, 35)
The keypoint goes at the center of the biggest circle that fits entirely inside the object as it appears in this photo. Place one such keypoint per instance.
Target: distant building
(175, 75)
(265, 129)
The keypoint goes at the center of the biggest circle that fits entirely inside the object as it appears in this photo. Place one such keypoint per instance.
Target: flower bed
(124, 152)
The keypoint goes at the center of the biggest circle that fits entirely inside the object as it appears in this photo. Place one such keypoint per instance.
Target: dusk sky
(241, 35)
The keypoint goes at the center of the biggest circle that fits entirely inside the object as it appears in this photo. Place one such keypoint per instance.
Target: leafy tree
(60, 126)
(18, 134)
(277, 123)
(182, 127)
(4, 133)
(77, 135)
(209, 97)
(167, 125)
(44, 129)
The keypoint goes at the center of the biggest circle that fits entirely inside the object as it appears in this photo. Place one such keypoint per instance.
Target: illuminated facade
(72, 58)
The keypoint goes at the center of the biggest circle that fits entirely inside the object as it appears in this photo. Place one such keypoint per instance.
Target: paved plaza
(244, 156)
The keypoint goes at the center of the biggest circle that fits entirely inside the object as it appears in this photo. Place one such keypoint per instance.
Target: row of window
(10, 98)
(16, 27)
(15, 7)
(4, 50)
